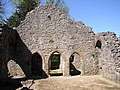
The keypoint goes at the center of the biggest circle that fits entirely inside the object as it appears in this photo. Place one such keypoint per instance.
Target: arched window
(98, 44)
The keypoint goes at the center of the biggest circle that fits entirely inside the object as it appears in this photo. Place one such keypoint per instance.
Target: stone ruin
(47, 33)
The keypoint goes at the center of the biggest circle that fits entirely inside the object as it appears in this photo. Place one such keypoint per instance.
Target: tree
(22, 8)
(25, 6)
(60, 4)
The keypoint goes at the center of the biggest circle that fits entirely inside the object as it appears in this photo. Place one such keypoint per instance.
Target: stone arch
(55, 63)
(36, 64)
(76, 64)
(14, 69)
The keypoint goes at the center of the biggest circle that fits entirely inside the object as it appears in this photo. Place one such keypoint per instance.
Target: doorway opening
(75, 64)
(36, 65)
(55, 64)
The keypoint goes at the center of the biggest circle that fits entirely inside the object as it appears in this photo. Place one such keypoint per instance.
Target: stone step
(57, 71)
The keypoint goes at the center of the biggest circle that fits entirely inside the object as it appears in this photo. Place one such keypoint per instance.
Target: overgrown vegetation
(55, 62)
(60, 4)
(24, 6)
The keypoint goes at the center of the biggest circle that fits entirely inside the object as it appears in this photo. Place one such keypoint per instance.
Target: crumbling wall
(46, 29)
(110, 53)
(1, 49)
(4, 51)
(10, 62)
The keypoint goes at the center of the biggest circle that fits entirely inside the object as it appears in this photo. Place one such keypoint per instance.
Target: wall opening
(14, 70)
(98, 56)
(55, 64)
(36, 65)
(75, 64)
(98, 44)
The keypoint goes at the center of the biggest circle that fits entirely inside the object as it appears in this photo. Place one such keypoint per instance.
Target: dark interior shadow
(74, 71)
(19, 53)
(10, 84)
(36, 66)
(31, 64)
(57, 74)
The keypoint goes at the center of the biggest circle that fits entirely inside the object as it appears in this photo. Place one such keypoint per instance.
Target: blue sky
(101, 15)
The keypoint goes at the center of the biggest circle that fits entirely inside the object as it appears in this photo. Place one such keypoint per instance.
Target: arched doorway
(55, 64)
(36, 65)
(75, 64)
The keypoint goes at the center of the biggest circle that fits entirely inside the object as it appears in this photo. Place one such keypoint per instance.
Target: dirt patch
(74, 83)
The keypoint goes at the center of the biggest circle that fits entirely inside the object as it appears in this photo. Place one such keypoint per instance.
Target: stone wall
(110, 55)
(10, 56)
(1, 49)
(4, 50)
(47, 29)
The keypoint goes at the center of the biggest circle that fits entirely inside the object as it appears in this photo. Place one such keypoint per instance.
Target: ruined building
(48, 33)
